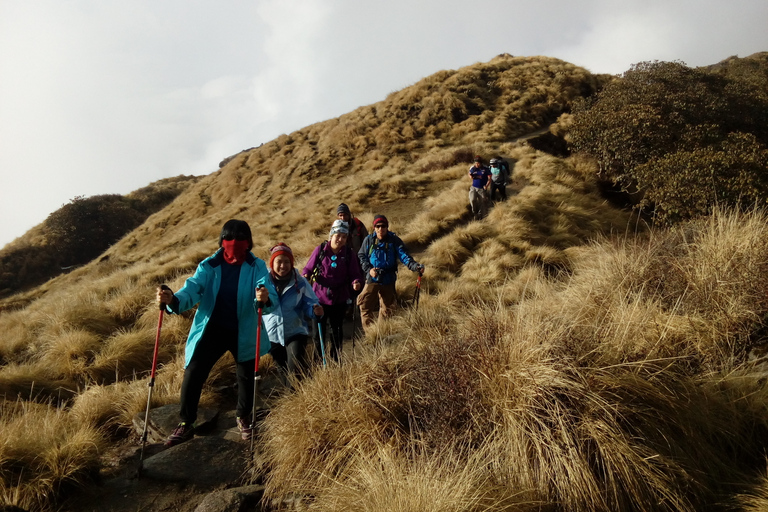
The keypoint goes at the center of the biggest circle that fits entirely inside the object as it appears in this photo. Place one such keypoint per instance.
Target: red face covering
(234, 251)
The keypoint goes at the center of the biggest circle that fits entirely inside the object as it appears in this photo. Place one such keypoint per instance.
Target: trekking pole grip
(164, 287)
(259, 303)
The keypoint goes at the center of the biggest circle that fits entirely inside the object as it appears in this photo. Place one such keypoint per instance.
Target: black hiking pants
(291, 356)
(334, 315)
(502, 191)
(214, 343)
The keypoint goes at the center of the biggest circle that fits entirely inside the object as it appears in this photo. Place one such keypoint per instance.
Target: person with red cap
(379, 254)
(286, 325)
(334, 271)
(227, 288)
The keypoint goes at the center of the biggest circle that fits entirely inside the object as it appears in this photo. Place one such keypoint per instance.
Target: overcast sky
(102, 96)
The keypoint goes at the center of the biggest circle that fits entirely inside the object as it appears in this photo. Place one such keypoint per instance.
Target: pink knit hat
(279, 249)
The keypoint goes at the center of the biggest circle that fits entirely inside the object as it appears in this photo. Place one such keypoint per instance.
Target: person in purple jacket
(334, 270)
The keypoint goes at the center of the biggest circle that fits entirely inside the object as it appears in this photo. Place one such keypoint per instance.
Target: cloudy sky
(106, 96)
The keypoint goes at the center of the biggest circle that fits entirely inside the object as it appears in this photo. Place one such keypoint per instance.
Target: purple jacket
(335, 274)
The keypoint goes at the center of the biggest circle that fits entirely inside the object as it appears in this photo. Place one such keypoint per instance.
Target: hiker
(378, 256)
(357, 233)
(226, 287)
(499, 178)
(334, 271)
(478, 192)
(286, 325)
(357, 230)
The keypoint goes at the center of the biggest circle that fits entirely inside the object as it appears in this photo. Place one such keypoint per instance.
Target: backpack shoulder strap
(370, 244)
(318, 262)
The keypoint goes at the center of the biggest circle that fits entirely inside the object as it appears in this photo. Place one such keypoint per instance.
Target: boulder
(239, 499)
(205, 462)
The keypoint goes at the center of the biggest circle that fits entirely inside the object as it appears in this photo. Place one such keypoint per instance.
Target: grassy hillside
(543, 369)
(621, 387)
(79, 231)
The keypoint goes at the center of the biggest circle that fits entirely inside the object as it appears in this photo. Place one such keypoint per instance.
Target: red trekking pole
(256, 376)
(151, 383)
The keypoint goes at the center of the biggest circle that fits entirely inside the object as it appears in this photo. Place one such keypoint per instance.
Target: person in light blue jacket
(287, 324)
(227, 287)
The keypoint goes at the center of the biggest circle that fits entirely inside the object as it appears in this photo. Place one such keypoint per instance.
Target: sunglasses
(240, 238)
(377, 226)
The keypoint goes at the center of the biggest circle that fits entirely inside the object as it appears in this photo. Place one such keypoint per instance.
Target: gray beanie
(339, 226)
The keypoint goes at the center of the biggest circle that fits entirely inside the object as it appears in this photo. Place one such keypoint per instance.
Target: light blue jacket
(296, 303)
(203, 287)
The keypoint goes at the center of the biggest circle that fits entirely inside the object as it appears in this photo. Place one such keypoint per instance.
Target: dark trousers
(502, 191)
(334, 315)
(291, 356)
(210, 348)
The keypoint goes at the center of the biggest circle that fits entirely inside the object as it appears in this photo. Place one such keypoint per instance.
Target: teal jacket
(203, 287)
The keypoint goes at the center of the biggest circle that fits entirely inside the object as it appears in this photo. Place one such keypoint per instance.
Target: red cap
(279, 249)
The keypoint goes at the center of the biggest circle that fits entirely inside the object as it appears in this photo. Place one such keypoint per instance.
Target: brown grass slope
(530, 377)
(67, 238)
(624, 386)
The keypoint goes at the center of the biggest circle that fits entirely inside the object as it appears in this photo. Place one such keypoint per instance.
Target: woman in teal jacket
(227, 287)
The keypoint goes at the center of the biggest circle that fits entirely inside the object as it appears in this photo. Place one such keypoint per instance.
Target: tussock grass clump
(387, 481)
(43, 452)
(112, 407)
(692, 292)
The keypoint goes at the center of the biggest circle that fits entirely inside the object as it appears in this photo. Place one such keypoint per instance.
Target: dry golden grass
(388, 481)
(44, 451)
(619, 388)
(558, 421)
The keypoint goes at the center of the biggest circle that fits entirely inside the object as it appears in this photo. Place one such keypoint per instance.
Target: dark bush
(683, 139)
(80, 230)
(85, 227)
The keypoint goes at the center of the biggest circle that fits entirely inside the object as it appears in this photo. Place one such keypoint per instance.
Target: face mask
(234, 251)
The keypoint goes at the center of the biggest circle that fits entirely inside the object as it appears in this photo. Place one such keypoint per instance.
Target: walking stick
(417, 292)
(256, 376)
(354, 323)
(322, 344)
(151, 385)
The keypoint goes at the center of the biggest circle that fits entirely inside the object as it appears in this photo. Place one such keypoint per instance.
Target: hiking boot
(182, 432)
(245, 428)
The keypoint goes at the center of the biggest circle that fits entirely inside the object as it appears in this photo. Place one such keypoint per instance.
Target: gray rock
(239, 499)
(162, 421)
(206, 462)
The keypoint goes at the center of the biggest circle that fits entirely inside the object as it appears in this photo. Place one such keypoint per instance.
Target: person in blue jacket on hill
(478, 192)
(227, 287)
(287, 324)
(379, 255)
